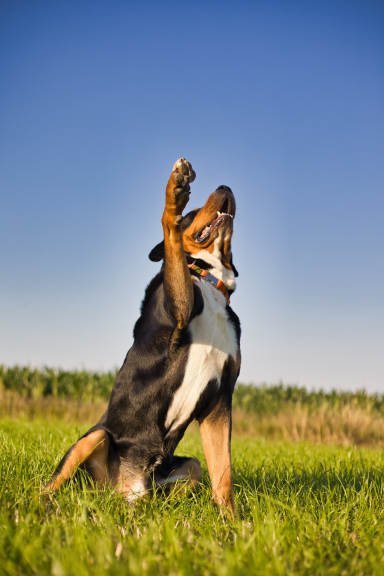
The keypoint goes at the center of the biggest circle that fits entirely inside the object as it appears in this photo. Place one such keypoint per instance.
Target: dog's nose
(224, 188)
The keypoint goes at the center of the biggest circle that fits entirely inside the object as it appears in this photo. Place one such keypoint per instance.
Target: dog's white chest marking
(213, 340)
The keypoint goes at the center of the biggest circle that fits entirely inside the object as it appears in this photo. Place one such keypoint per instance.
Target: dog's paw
(178, 189)
(182, 175)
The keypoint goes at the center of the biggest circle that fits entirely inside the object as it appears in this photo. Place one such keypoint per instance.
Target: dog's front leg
(215, 430)
(177, 279)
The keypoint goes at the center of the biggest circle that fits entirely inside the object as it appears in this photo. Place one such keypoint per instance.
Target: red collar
(219, 284)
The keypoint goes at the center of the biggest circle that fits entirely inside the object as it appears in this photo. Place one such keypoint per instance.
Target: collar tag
(212, 279)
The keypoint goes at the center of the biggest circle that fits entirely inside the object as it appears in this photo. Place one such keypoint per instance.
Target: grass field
(273, 412)
(302, 509)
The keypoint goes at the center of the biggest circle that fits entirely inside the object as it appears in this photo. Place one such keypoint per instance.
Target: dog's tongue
(207, 228)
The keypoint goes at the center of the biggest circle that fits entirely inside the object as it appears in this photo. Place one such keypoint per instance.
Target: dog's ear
(234, 268)
(157, 253)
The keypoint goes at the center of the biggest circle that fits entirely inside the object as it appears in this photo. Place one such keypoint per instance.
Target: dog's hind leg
(91, 453)
(186, 472)
(177, 279)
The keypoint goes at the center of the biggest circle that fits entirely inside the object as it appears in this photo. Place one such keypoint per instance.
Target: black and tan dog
(183, 364)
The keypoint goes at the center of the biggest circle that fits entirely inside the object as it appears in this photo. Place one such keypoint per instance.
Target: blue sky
(281, 101)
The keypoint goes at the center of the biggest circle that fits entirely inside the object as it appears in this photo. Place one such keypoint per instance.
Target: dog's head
(208, 229)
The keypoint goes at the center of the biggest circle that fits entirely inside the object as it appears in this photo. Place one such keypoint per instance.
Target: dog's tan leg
(92, 451)
(177, 280)
(215, 430)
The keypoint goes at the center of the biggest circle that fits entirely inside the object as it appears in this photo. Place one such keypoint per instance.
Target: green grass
(302, 509)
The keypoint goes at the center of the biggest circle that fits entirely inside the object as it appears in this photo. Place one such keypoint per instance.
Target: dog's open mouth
(204, 233)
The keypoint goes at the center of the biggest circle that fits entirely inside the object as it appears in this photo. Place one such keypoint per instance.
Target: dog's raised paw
(178, 188)
(183, 175)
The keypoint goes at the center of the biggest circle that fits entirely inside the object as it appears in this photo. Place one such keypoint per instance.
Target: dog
(183, 364)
